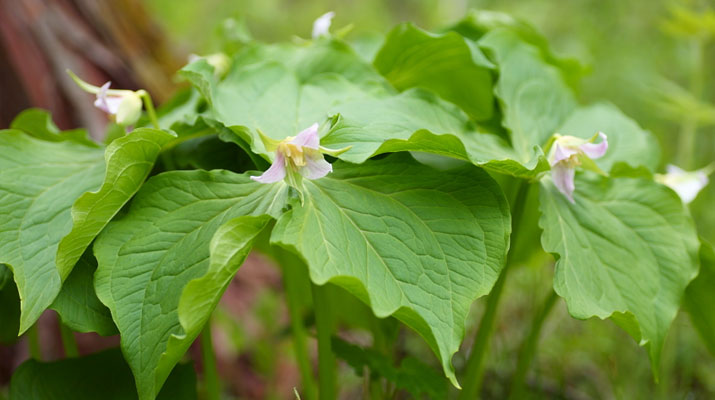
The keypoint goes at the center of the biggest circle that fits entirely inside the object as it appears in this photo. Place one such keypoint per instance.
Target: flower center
(293, 154)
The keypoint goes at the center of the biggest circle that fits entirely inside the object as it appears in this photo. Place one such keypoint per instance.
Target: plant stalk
(326, 359)
(474, 371)
(212, 384)
(300, 347)
(69, 343)
(149, 105)
(529, 346)
(33, 341)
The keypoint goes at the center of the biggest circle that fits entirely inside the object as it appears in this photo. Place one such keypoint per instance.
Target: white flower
(687, 184)
(297, 157)
(321, 26)
(124, 105)
(568, 152)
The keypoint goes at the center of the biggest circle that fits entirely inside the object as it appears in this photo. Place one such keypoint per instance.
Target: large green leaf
(147, 257)
(77, 303)
(534, 98)
(445, 64)
(229, 247)
(309, 60)
(699, 300)
(626, 250)
(39, 182)
(129, 160)
(627, 142)
(98, 376)
(38, 123)
(416, 120)
(477, 23)
(406, 239)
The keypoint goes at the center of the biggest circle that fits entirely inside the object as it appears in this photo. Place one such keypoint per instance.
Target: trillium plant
(402, 177)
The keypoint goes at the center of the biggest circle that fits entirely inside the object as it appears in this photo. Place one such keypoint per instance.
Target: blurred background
(653, 59)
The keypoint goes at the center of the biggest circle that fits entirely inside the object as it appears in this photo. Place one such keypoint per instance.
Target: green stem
(69, 343)
(149, 105)
(212, 384)
(528, 347)
(689, 125)
(474, 371)
(326, 359)
(33, 341)
(294, 294)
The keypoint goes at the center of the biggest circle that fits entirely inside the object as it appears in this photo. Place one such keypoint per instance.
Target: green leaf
(98, 376)
(39, 182)
(699, 300)
(129, 160)
(445, 64)
(416, 120)
(147, 257)
(313, 59)
(477, 23)
(77, 303)
(421, 249)
(627, 142)
(412, 375)
(38, 123)
(625, 250)
(9, 310)
(534, 98)
(229, 247)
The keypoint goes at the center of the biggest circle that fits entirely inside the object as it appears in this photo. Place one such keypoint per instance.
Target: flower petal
(275, 173)
(105, 102)
(308, 138)
(315, 166)
(689, 187)
(593, 150)
(561, 153)
(321, 26)
(686, 184)
(563, 179)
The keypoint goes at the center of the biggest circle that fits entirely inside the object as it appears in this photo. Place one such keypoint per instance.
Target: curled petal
(563, 179)
(315, 166)
(275, 173)
(105, 102)
(308, 138)
(593, 150)
(321, 25)
(561, 153)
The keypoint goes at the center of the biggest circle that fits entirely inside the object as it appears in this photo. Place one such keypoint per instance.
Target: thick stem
(33, 342)
(689, 126)
(529, 346)
(474, 371)
(212, 384)
(293, 293)
(69, 343)
(326, 359)
(149, 105)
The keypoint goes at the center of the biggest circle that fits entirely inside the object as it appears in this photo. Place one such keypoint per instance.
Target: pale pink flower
(300, 154)
(568, 152)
